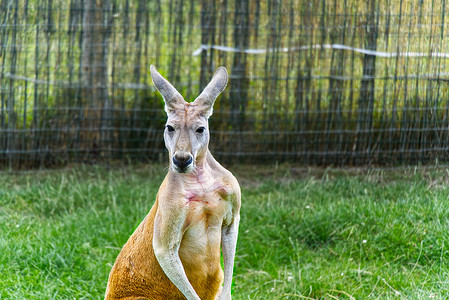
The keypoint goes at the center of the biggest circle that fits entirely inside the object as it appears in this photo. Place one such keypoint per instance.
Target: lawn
(320, 234)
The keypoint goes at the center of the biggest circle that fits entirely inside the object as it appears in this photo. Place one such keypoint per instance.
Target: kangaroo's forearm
(228, 244)
(171, 265)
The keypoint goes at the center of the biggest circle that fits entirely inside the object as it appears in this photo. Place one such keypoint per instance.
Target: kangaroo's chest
(208, 207)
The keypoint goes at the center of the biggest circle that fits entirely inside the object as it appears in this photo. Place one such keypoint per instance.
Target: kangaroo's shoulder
(224, 175)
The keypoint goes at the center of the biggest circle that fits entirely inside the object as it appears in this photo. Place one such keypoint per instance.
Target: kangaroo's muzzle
(182, 162)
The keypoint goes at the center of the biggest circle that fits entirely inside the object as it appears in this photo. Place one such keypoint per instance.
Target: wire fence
(341, 82)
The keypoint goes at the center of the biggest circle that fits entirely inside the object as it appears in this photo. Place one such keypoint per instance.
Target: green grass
(327, 236)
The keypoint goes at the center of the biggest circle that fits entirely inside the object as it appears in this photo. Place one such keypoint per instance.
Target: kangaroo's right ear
(172, 98)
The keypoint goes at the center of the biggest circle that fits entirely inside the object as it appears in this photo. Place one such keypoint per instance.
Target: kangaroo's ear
(207, 98)
(173, 99)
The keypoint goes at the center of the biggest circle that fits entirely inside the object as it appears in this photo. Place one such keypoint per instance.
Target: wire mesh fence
(316, 82)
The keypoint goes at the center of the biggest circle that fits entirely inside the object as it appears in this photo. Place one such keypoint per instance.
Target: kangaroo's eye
(170, 128)
(200, 130)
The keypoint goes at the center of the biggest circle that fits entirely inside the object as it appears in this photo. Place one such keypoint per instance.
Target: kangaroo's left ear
(207, 98)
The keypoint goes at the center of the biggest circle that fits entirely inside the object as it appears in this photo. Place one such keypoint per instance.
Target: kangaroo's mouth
(188, 169)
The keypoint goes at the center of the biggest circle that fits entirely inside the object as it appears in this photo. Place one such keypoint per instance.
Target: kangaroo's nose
(182, 161)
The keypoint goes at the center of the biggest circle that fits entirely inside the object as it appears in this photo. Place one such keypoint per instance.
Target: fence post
(94, 69)
(367, 92)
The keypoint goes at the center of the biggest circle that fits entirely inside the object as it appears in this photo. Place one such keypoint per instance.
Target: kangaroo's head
(186, 132)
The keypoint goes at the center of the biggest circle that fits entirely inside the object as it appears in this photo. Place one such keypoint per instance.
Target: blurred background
(340, 82)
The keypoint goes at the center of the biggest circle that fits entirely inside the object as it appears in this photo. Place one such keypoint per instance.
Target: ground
(305, 233)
